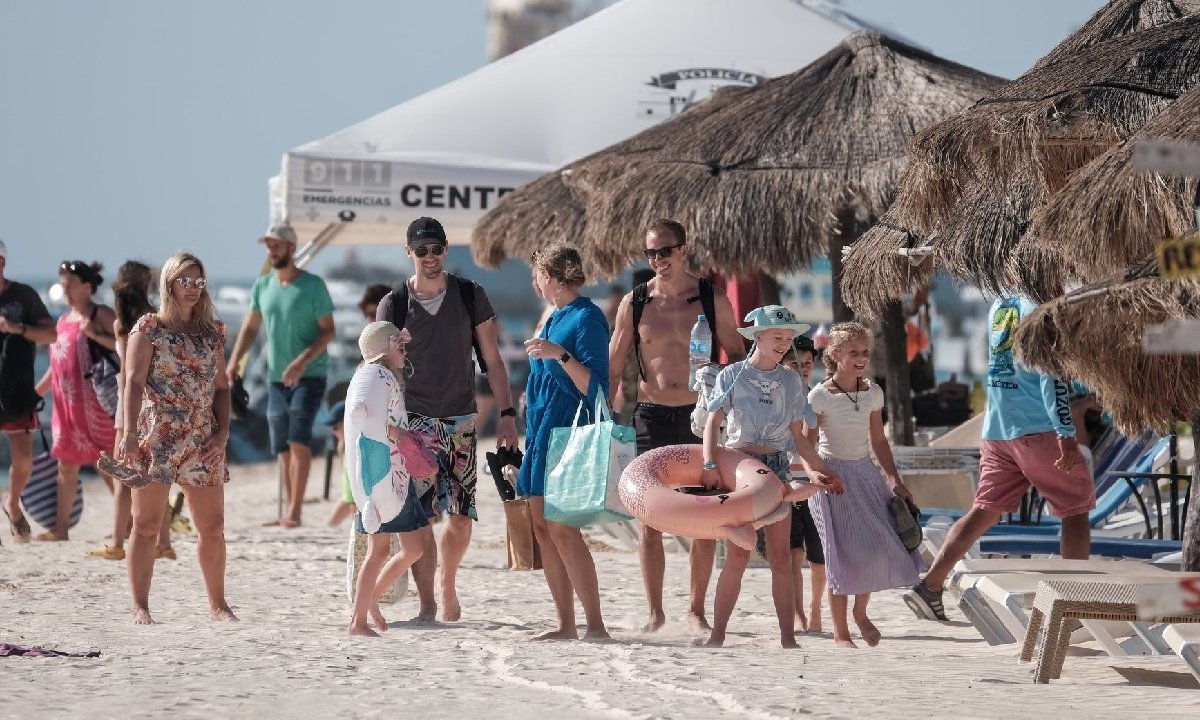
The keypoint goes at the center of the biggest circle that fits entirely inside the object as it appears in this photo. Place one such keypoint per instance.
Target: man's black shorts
(661, 425)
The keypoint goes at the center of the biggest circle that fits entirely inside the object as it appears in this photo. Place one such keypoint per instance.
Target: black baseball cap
(423, 229)
(804, 343)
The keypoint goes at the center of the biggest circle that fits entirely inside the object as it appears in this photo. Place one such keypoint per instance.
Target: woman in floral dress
(177, 424)
(82, 427)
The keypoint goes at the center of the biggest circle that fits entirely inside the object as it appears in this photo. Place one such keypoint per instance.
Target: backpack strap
(399, 304)
(466, 289)
(709, 305)
(641, 294)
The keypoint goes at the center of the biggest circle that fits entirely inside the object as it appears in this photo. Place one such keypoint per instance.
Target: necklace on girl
(857, 392)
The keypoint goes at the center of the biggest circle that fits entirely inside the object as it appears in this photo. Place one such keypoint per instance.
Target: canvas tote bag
(583, 469)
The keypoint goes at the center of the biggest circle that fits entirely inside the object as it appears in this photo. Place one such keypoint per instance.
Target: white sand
(291, 657)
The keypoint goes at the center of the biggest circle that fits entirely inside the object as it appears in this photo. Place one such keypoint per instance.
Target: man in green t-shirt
(297, 311)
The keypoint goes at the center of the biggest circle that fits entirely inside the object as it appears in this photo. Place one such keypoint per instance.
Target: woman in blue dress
(569, 365)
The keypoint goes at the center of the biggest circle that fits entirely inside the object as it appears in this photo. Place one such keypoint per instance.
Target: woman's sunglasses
(424, 250)
(187, 282)
(662, 253)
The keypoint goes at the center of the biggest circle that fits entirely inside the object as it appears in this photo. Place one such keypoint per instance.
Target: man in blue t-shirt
(297, 311)
(1028, 439)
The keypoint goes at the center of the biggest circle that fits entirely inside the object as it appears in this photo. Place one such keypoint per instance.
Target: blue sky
(133, 128)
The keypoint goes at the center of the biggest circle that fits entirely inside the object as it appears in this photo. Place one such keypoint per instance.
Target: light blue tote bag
(583, 469)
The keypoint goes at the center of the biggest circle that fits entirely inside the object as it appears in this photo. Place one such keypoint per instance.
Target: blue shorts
(412, 516)
(291, 412)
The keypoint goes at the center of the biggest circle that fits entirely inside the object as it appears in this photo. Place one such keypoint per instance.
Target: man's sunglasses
(424, 250)
(187, 282)
(662, 253)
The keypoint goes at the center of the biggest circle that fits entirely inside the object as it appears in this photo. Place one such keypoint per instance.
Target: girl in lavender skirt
(863, 553)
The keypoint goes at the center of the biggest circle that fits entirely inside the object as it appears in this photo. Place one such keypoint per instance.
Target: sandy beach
(290, 654)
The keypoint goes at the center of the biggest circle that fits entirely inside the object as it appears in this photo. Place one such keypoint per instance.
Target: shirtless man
(663, 415)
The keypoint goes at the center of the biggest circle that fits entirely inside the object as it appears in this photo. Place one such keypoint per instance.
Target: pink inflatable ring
(754, 497)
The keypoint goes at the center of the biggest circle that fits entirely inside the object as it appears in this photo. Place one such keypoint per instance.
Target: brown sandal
(19, 528)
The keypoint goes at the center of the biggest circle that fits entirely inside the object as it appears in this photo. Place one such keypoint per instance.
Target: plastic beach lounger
(1137, 548)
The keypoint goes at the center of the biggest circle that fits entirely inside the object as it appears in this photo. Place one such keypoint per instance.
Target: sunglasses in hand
(662, 253)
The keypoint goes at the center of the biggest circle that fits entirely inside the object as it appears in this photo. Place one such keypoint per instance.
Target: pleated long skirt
(863, 552)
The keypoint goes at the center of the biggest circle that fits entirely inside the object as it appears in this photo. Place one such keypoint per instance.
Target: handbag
(419, 461)
(908, 522)
(103, 373)
(356, 553)
(583, 470)
(523, 551)
(40, 496)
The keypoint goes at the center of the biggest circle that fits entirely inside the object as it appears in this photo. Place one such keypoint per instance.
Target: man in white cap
(655, 322)
(24, 324)
(297, 310)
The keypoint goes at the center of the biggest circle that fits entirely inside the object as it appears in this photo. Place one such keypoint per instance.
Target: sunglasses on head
(423, 250)
(187, 282)
(663, 252)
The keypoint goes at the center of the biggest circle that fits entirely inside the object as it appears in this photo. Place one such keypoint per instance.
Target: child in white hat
(762, 403)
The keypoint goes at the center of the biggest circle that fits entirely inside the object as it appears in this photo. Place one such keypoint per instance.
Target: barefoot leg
(149, 504)
(866, 628)
(378, 547)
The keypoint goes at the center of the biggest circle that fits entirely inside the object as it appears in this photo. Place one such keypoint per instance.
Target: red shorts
(1008, 467)
(28, 424)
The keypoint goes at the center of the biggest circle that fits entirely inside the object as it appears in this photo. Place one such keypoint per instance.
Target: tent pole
(314, 246)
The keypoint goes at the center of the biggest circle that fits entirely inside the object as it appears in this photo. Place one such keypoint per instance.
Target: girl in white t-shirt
(863, 553)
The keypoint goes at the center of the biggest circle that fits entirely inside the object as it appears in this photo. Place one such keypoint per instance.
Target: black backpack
(17, 397)
(641, 295)
(466, 289)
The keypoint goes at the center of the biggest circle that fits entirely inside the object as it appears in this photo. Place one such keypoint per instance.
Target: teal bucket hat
(771, 317)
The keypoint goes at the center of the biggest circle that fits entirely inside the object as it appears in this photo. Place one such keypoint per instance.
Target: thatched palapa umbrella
(976, 179)
(1119, 18)
(760, 181)
(553, 207)
(1108, 215)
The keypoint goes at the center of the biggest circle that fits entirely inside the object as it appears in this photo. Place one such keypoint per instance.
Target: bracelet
(131, 433)
(709, 465)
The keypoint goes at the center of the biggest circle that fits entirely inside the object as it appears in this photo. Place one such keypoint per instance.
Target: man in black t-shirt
(440, 312)
(24, 323)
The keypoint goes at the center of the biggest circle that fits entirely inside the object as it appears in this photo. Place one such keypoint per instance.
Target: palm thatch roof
(1095, 334)
(552, 208)
(1055, 118)
(761, 181)
(1109, 214)
(970, 208)
(1118, 18)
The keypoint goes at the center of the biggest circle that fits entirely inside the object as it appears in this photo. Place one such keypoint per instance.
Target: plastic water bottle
(699, 348)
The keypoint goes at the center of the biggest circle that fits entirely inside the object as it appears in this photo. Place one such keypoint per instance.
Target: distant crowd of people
(144, 394)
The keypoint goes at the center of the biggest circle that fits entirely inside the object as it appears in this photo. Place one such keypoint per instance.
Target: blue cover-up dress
(551, 397)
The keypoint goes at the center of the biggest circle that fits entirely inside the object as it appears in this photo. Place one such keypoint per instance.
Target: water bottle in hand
(699, 349)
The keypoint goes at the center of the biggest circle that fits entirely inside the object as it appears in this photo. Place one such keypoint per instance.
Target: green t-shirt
(290, 314)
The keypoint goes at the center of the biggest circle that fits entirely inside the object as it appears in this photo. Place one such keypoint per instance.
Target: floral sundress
(176, 416)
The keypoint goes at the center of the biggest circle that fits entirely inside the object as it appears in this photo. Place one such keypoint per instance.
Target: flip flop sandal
(49, 537)
(107, 553)
(167, 553)
(127, 475)
(19, 528)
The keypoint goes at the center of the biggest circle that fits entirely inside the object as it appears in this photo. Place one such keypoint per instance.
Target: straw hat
(771, 317)
(376, 339)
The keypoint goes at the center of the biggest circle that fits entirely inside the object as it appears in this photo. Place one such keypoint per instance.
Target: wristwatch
(508, 412)
(562, 359)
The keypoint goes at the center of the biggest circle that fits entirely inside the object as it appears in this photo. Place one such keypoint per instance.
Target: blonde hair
(561, 262)
(203, 315)
(839, 335)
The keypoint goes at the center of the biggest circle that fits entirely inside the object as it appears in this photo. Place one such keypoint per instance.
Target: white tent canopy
(452, 152)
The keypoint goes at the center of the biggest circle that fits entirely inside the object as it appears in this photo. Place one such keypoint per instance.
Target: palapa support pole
(901, 426)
